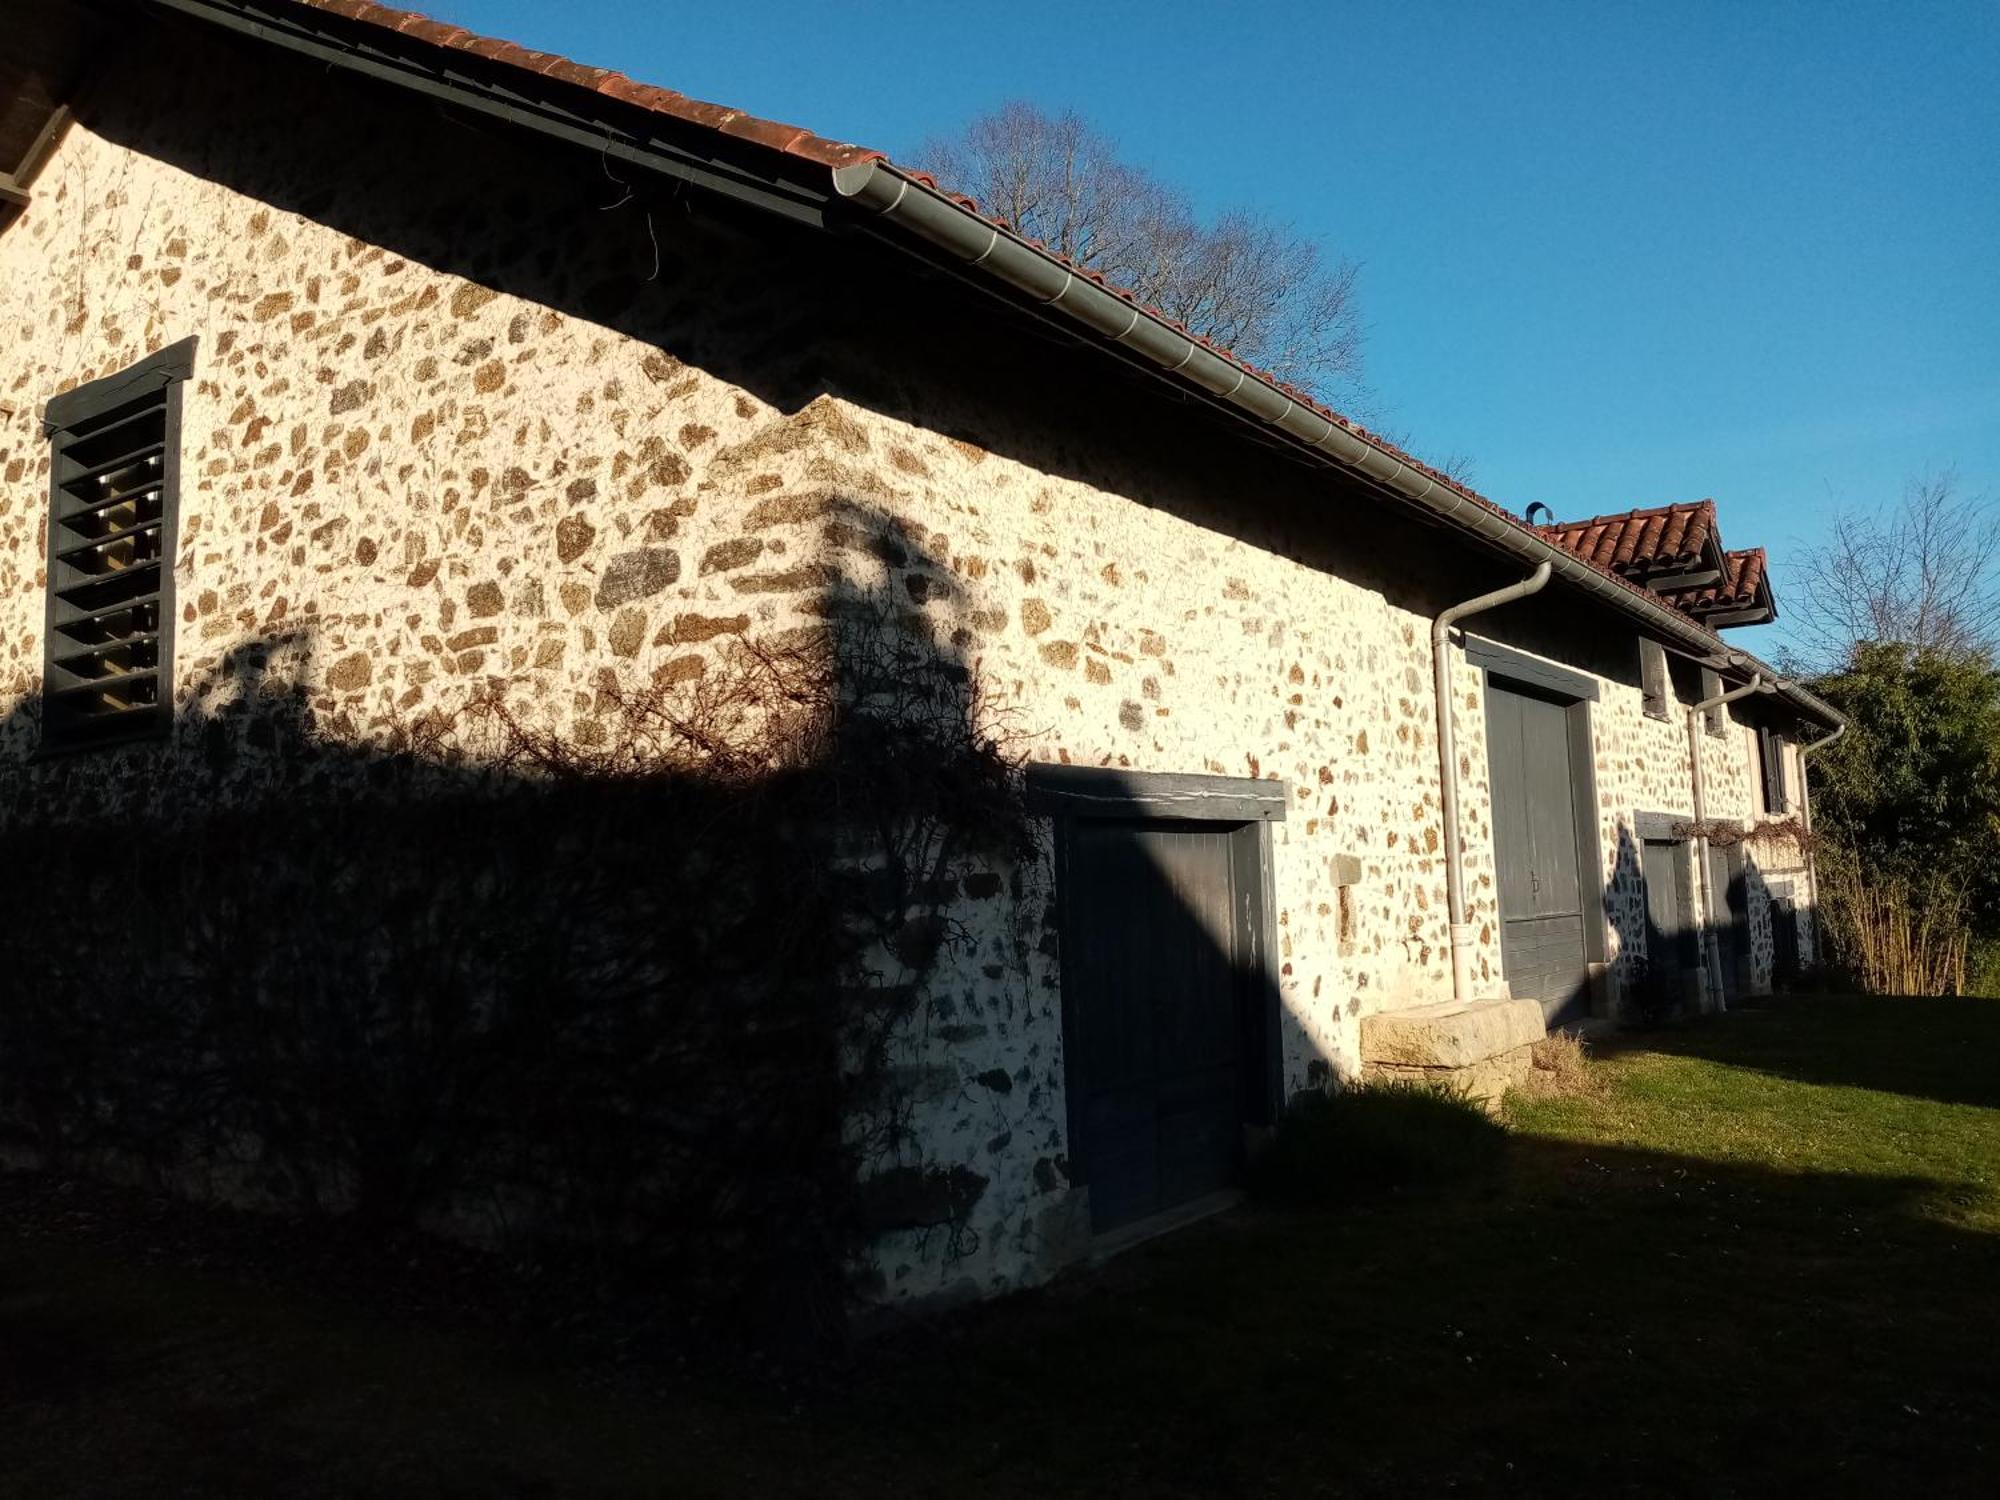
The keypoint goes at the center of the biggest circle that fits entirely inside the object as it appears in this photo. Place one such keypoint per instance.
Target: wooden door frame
(1575, 693)
(1246, 809)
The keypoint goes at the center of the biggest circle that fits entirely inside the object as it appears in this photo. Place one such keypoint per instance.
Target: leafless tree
(1457, 464)
(1250, 284)
(1924, 573)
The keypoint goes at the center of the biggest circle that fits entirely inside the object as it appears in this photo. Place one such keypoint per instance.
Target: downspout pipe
(1696, 714)
(988, 252)
(1454, 856)
(1806, 826)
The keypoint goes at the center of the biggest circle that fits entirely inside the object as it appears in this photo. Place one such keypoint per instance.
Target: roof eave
(791, 174)
(1026, 270)
(553, 103)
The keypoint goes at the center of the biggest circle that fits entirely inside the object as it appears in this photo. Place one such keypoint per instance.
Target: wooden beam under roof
(49, 45)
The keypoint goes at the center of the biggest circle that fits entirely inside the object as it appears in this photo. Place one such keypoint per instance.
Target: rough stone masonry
(468, 415)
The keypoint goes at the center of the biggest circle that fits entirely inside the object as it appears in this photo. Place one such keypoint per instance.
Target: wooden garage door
(1156, 1015)
(1543, 889)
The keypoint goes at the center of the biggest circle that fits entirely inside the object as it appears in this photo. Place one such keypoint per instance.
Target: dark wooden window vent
(113, 493)
(1771, 770)
(1655, 681)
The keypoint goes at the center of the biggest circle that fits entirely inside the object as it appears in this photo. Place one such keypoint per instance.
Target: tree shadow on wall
(1671, 959)
(613, 993)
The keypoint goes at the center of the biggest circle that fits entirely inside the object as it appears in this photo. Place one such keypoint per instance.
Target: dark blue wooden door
(1150, 933)
(1543, 888)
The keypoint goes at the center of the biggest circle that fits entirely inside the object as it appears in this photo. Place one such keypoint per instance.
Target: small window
(1771, 766)
(1653, 678)
(1712, 686)
(107, 653)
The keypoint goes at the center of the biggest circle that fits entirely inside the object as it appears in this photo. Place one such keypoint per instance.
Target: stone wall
(484, 418)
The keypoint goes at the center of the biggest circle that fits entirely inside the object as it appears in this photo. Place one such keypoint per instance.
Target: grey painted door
(1729, 918)
(1670, 936)
(1543, 889)
(1151, 986)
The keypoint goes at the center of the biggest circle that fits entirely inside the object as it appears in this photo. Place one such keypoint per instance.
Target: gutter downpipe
(997, 255)
(1806, 825)
(1454, 856)
(1696, 714)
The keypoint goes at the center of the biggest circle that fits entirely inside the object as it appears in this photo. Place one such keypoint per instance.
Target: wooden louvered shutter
(1772, 745)
(113, 493)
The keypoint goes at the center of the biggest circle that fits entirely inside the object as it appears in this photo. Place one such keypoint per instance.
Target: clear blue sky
(1617, 253)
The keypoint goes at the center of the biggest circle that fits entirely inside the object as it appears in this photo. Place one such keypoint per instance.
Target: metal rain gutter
(930, 215)
(457, 80)
(1806, 824)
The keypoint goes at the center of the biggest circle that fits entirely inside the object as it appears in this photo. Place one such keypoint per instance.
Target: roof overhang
(1028, 272)
(806, 178)
(48, 46)
(493, 83)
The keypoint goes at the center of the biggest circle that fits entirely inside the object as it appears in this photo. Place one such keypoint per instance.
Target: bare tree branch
(1249, 284)
(1924, 573)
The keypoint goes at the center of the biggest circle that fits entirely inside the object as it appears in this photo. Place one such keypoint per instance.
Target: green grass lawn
(1766, 1259)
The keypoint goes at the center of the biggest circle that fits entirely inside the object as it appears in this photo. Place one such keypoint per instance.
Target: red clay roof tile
(1640, 541)
(1743, 576)
(1666, 539)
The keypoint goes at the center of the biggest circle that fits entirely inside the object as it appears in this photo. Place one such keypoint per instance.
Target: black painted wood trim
(1105, 792)
(1517, 666)
(1256, 958)
(95, 397)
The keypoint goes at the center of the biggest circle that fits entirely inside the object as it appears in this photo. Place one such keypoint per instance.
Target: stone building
(394, 367)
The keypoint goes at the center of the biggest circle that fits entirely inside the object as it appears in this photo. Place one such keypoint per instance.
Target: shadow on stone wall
(626, 1008)
(634, 1000)
(1671, 956)
(622, 1008)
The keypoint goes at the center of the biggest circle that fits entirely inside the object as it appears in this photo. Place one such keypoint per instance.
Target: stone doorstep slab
(1449, 1036)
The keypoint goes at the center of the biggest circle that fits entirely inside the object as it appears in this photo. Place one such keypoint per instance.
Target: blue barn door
(1543, 885)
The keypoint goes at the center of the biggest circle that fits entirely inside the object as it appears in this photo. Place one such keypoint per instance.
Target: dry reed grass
(1562, 1069)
